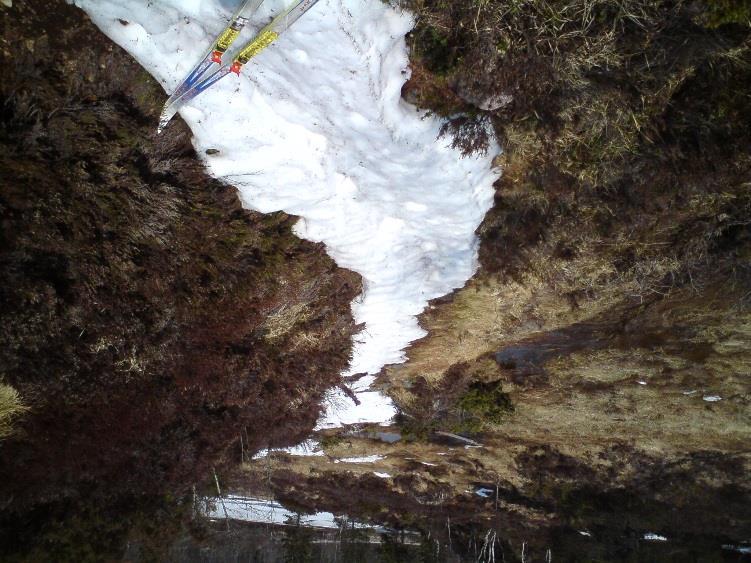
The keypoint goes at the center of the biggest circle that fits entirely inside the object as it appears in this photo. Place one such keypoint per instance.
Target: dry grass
(489, 312)
(11, 408)
(608, 217)
(284, 319)
(666, 412)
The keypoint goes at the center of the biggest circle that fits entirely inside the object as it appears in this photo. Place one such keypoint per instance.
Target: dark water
(232, 540)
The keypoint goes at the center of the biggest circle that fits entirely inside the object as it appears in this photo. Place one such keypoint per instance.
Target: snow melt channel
(316, 127)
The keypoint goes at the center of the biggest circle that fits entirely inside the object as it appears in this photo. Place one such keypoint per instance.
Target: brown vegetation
(609, 322)
(613, 299)
(142, 309)
(600, 355)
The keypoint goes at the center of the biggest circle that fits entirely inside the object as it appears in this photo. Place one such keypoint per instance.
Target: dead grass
(11, 407)
(284, 319)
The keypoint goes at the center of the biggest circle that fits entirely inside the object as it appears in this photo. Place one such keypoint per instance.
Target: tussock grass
(587, 82)
(11, 408)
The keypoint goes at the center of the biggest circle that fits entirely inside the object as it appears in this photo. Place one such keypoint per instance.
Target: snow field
(316, 126)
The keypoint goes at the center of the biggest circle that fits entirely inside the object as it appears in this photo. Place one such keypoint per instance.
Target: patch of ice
(712, 398)
(316, 127)
(366, 459)
(382, 475)
(650, 536)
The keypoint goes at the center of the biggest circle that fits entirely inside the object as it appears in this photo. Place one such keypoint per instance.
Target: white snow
(316, 127)
(650, 536)
(712, 398)
(366, 459)
(306, 448)
(382, 475)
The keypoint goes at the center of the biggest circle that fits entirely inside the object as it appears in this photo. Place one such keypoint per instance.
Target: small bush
(484, 403)
(332, 441)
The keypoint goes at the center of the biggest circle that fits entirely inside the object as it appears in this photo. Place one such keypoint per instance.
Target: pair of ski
(211, 69)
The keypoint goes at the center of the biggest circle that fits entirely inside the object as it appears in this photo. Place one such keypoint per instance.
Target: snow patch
(316, 127)
(650, 536)
(304, 449)
(367, 459)
(712, 398)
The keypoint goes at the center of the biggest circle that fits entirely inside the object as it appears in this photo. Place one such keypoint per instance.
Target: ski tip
(164, 119)
(236, 66)
(216, 57)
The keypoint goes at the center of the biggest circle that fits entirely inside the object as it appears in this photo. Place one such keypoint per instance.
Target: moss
(331, 441)
(722, 12)
(433, 46)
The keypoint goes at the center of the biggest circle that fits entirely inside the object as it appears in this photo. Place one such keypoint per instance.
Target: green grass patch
(483, 404)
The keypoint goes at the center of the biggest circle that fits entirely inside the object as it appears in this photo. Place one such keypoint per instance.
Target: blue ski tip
(167, 114)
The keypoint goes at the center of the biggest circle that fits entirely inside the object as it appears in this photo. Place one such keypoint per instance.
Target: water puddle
(386, 437)
(268, 511)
